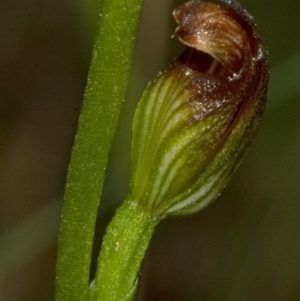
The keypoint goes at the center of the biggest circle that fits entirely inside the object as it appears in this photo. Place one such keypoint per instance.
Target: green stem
(107, 81)
(123, 250)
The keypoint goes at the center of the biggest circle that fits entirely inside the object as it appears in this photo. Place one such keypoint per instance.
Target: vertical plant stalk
(107, 81)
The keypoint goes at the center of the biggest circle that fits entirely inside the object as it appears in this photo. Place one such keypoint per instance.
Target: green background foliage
(243, 247)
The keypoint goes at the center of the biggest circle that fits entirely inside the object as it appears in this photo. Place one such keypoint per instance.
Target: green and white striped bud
(197, 118)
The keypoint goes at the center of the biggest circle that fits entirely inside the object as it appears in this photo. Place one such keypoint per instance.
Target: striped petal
(196, 119)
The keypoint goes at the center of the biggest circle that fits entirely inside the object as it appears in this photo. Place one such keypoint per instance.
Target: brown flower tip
(227, 54)
(227, 33)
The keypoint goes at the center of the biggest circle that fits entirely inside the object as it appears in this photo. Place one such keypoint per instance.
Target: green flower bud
(197, 118)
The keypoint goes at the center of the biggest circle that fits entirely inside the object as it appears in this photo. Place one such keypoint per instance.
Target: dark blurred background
(245, 246)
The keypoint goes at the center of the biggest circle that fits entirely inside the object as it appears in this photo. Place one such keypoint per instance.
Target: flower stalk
(124, 246)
